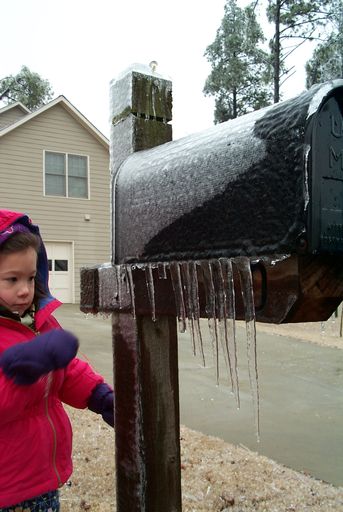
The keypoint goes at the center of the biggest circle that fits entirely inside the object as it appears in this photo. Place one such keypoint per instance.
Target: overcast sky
(80, 45)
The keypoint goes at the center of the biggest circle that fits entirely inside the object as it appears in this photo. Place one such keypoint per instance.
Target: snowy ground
(216, 476)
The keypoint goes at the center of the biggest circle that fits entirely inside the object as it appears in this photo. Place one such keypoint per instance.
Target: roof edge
(15, 104)
(75, 113)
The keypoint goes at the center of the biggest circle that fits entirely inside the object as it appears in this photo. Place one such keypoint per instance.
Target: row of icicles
(219, 286)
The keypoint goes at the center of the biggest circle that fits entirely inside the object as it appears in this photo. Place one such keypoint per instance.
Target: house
(54, 166)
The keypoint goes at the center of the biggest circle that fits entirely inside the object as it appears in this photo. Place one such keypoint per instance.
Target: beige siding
(21, 185)
(10, 116)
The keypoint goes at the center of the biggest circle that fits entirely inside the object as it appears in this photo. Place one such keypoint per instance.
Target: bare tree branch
(293, 50)
(301, 24)
(287, 77)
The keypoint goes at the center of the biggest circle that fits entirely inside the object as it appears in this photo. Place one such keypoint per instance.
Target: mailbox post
(145, 351)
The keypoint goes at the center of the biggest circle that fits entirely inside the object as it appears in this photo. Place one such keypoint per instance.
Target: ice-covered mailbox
(266, 187)
(243, 220)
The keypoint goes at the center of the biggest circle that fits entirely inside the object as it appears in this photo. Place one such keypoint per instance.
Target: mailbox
(265, 183)
(267, 186)
(326, 176)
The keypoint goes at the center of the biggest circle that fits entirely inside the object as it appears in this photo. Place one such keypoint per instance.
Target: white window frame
(66, 175)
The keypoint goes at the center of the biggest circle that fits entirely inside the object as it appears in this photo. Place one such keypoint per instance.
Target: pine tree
(240, 68)
(295, 21)
(327, 59)
(27, 87)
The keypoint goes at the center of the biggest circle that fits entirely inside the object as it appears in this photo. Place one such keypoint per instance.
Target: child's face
(17, 279)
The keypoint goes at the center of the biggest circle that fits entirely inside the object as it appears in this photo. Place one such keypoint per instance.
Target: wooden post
(145, 361)
(147, 414)
(141, 108)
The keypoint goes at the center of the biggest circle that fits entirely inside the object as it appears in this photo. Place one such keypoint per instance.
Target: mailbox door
(326, 222)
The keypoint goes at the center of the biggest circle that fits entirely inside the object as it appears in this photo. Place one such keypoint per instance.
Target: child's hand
(101, 401)
(26, 362)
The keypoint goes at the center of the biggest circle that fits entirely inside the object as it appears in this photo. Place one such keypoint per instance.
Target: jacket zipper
(46, 398)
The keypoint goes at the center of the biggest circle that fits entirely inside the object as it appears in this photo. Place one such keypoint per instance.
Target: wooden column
(147, 414)
(144, 351)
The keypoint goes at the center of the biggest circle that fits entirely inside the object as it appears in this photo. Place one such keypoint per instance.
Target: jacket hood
(11, 222)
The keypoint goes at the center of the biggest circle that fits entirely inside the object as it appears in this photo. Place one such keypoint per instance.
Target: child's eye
(12, 279)
(32, 278)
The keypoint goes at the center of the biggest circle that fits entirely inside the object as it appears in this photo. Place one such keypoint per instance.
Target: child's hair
(19, 242)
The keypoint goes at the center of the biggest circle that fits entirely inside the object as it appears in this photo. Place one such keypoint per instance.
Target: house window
(61, 265)
(66, 175)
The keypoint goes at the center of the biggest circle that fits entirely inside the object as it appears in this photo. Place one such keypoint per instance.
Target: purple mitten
(101, 401)
(26, 362)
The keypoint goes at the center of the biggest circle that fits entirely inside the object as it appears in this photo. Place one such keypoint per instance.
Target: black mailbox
(267, 186)
(326, 176)
(270, 182)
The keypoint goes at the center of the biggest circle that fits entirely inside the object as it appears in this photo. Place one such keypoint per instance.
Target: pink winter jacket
(35, 431)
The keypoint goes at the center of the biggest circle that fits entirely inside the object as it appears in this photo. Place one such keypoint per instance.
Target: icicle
(307, 152)
(187, 287)
(123, 283)
(211, 311)
(118, 283)
(196, 308)
(220, 311)
(162, 270)
(243, 265)
(149, 278)
(131, 289)
(175, 275)
(126, 279)
(229, 319)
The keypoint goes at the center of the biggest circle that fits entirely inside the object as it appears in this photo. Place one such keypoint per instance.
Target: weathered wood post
(145, 350)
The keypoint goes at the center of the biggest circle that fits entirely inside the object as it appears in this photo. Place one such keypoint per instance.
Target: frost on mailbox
(270, 182)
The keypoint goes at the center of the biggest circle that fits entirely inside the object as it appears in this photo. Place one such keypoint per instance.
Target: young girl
(38, 371)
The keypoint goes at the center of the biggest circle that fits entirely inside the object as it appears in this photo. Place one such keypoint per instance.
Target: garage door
(60, 256)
